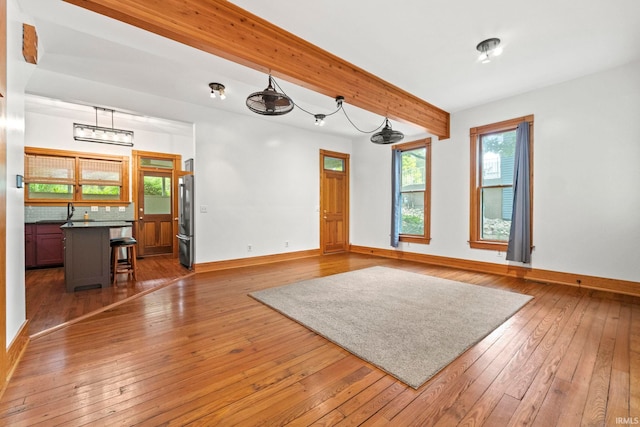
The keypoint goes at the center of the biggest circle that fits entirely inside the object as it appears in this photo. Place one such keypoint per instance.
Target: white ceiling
(426, 47)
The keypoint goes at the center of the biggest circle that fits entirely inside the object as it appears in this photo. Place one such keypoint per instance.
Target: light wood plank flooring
(201, 352)
(49, 305)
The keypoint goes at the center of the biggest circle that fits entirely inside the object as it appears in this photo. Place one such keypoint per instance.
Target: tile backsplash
(48, 213)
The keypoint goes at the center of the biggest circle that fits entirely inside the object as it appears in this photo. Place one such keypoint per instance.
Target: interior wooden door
(155, 213)
(334, 202)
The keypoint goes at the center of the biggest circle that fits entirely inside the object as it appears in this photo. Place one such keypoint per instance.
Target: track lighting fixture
(269, 102)
(219, 88)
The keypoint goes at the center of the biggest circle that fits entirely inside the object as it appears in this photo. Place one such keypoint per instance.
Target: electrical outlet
(94, 209)
(203, 208)
(121, 209)
(249, 247)
(107, 208)
(286, 244)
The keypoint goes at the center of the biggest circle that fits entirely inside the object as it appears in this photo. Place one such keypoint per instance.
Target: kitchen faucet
(70, 210)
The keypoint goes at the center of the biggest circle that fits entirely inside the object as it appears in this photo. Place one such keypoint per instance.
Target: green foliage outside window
(50, 188)
(157, 186)
(412, 189)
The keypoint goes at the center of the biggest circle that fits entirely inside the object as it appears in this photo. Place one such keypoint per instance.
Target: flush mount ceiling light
(269, 102)
(387, 135)
(219, 88)
(104, 135)
(487, 48)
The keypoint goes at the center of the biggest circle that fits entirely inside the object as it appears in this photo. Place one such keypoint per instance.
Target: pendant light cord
(340, 107)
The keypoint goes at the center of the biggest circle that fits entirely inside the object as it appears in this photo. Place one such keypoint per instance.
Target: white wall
(586, 175)
(259, 181)
(18, 72)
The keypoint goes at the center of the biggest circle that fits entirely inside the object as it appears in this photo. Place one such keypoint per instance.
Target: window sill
(489, 245)
(415, 239)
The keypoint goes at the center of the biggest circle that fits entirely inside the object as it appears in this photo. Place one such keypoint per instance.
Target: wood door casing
(137, 167)
(155, 231)
(334, 204)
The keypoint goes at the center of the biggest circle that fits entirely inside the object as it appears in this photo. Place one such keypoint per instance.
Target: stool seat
(121, 241)
(128, 264)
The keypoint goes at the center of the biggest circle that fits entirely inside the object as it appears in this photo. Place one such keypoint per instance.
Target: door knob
(140, 218)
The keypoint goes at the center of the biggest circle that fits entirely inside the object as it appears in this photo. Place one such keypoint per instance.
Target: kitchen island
(87, 253)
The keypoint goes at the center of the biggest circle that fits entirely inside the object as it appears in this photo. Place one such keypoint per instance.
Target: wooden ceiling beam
(228, 31)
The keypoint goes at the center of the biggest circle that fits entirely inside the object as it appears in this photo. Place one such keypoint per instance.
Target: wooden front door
(334, 202)
(155, 213)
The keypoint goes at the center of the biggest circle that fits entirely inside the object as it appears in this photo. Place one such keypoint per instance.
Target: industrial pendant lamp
(387, 135)
(104, 135)
(269, 102)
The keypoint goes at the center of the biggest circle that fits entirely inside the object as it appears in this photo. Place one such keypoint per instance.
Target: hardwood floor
(49, 305)
(202, 352)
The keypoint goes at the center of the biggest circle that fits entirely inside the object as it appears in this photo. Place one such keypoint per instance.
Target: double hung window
(412, 192)
(492, 165)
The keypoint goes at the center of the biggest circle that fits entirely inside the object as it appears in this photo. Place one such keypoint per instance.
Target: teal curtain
(519, 246)
(396, 208)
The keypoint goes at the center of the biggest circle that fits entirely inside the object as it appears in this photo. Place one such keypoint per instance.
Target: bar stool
(128, 265)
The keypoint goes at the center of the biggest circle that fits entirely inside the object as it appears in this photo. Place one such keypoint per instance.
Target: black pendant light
(269, 102)
(387, 135)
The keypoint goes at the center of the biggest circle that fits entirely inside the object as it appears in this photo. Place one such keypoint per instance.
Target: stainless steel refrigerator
(185, 220)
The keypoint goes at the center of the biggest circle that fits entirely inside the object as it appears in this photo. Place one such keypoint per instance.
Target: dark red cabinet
(29, 245)
(44, 245)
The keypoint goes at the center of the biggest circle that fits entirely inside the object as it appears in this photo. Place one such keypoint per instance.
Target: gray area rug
(409, 325)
